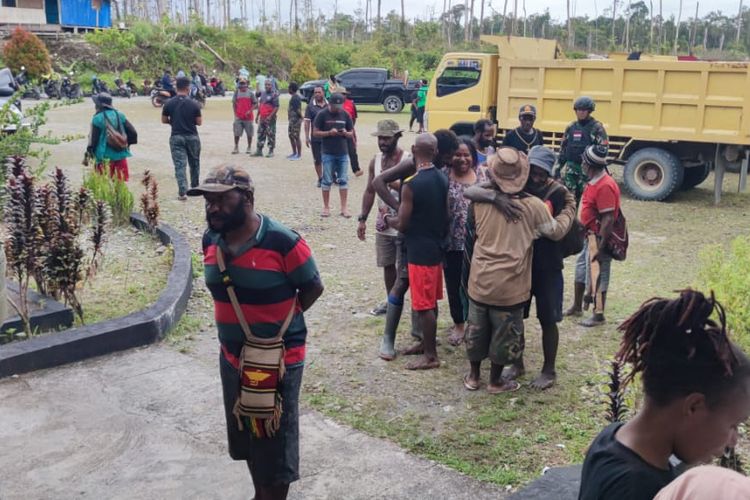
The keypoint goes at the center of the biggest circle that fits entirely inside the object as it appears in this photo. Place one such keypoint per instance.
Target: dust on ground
(506, 439)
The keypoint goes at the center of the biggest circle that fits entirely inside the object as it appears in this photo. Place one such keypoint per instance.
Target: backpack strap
(554, 187)
(227, 281)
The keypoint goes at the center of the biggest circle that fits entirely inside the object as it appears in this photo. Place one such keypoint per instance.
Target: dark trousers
(453, 269)
(186, 151)
(353, 158)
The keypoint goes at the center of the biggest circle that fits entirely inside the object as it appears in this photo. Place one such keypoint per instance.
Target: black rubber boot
(392, 318)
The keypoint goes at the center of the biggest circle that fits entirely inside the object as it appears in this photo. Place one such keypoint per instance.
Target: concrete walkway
(148, 424)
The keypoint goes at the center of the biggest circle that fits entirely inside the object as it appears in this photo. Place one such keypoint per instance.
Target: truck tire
(695, 175)
(393, 104)
(653, 174)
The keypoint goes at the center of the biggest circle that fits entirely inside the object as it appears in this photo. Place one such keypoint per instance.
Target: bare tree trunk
(627, 27)
(515, 18)
(525, 17)
(739, 23)
(466, 22)
(721, 42)
(661, 27)
(481, 17)
(705, 37)
(377, 19)
(651, 24)
(505, 12)
(614, 22)
(471, 20)
(570, 25)
(693, 29)
(116, 3)
(677, 28)
(403, 20)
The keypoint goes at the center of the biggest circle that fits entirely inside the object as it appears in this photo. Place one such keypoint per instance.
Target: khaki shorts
(241, 126)
(494, 333)
(385, 250)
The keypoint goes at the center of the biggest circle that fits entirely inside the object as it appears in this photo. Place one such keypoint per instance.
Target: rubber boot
(416, 328)
(577, 308)
(392, 318)
(598, 317)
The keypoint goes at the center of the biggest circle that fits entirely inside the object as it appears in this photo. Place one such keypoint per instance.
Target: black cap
(336, 99)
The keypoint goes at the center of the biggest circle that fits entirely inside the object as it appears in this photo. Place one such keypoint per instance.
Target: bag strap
(554, 187)
(238, 310)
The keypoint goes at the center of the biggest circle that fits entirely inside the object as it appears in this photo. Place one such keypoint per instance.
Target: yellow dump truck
(669, 121)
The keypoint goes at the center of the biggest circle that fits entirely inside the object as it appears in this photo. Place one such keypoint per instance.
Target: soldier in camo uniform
(579, 135)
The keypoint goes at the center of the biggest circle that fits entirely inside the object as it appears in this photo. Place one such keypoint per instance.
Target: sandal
(512, 385)
(470, 385)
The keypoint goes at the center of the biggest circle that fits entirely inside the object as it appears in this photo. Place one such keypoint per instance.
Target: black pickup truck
(370, 86)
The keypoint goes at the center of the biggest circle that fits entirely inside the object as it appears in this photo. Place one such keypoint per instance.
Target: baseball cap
(336, 99)
(224, 178)
(527, 109)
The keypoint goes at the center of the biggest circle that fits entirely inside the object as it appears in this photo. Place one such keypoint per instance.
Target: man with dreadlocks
(697, 392)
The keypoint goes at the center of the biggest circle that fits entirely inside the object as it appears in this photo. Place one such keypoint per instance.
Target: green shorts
(495, 333)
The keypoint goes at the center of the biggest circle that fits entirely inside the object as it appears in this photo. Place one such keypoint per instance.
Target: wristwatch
(362, 218)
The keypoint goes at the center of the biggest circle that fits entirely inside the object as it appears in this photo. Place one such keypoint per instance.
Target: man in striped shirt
(272, 270)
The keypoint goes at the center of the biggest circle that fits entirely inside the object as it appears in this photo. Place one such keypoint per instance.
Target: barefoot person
(500, 276)
(423, 218)
(546, 266)
(334, 126)
(276, 280)
(696, 385)
(386, 246)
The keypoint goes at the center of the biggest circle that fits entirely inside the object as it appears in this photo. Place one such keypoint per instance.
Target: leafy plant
(615, 393)
(725, 272)
(26, 49)
(98, 235)
(113, 191)
(150, 200)
(304, 70)
(21, 243)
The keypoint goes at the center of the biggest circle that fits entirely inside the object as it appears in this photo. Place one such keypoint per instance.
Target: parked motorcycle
(133, 89)
(28, 89)
(51, 88)
(68, 88)
(98, 86)
(8, 87)
(159, 96)
(121, 89)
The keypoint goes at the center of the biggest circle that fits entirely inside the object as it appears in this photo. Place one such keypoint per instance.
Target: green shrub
(113, 191)
(304, 70)
(26, 49)
(726, 273)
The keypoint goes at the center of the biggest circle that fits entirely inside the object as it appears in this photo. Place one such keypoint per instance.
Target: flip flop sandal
(515, 386)
(470, 386)
(325, 214)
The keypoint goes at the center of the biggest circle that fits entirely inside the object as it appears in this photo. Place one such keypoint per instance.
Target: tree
(677, 28)
(304, 70)
(26, 49)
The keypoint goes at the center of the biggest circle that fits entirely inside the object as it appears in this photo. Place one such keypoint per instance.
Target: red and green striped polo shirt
(267, 273)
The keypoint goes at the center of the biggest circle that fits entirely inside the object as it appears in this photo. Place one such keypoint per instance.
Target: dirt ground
(507, 439)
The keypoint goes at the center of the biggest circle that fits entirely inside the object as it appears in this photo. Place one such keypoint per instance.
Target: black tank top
(429, 218)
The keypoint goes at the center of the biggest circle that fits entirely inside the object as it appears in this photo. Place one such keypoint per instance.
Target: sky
(422, 8)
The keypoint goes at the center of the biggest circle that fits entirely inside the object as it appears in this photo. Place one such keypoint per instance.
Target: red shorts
(426, 286)
(117, 168)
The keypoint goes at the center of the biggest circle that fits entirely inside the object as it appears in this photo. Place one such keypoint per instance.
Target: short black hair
(293, 86)
(447, 141)
(183, 83)
(679, 349)
(482, 124)
(424, 82)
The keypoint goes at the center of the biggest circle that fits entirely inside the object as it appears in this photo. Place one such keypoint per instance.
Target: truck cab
(463, 92)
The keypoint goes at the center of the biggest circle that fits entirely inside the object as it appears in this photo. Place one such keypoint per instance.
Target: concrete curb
(53, 316)
(136, 329)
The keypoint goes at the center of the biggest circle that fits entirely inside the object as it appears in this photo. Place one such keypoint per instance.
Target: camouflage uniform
(576, 138)
(186, 151)
(495, 333)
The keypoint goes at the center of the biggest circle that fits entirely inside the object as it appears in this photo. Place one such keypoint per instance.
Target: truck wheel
(393, 104)
(652, 174)
(695, 175)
